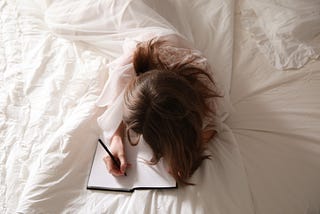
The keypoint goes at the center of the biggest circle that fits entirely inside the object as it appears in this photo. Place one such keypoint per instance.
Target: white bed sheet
(276, 123)
(64, 49)
(52, 64)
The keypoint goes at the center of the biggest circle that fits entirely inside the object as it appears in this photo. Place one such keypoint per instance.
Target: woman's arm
(117, 149)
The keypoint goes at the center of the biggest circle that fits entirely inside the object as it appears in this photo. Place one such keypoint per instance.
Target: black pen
(111, 155)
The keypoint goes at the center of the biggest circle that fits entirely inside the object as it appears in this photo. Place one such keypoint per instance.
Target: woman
(166, 95)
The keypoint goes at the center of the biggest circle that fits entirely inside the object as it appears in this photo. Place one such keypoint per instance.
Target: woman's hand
(117, 149)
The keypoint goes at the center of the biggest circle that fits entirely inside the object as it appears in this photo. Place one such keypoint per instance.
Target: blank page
(141, 174)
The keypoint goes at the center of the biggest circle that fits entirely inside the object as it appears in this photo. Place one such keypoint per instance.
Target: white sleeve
(110, 120)
(120, 73)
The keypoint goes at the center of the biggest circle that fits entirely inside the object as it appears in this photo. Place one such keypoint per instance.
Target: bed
(265, 59)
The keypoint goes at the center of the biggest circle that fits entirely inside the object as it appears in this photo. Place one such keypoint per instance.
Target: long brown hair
(167, 106)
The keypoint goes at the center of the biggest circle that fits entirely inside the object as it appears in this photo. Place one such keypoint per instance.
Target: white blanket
(53, 57)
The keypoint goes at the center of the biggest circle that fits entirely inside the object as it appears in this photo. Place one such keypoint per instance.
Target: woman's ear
(132, 137)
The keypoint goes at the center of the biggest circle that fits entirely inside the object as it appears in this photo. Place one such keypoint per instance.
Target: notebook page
(139, 175)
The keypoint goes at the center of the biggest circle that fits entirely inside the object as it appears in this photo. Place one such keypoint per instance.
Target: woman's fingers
(112, 168)
(117, 150)
(123, 163)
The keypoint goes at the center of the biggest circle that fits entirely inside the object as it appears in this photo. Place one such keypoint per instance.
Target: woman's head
(164, 108)
(167, 106)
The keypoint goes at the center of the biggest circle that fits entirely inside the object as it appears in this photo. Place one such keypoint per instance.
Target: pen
(111, 155)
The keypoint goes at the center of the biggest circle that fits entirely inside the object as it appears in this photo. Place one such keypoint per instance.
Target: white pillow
(286, 31)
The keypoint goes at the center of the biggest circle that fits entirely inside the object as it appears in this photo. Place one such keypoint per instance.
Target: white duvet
(53, 59)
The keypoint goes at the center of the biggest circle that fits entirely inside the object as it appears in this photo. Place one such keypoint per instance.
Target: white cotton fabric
(286, 31)
(54, 72)
(53, 67)
(276, 124)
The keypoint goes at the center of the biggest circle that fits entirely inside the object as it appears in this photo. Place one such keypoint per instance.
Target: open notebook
(140, 175)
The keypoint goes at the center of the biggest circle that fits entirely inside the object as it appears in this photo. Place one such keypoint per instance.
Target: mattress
(53, 66)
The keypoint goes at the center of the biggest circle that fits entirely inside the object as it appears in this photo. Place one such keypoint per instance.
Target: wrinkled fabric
(287, 32)
(54, 65)
(54, 58)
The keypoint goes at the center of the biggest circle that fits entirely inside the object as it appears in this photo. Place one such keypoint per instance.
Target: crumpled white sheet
(52, 69)
(276, 123)
(49, 129)
(287, 32)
